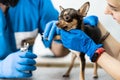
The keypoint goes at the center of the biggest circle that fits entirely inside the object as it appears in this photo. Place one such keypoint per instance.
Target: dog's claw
(95, 76)
(65, 75)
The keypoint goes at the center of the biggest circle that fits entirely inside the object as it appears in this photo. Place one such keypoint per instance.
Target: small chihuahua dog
(73, 19)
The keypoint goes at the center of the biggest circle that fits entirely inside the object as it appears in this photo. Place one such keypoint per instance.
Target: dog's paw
(65, 75)
(95, 76)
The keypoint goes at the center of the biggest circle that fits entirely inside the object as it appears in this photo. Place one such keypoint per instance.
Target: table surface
(55, 73)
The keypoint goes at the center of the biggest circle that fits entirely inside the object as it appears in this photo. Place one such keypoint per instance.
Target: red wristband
(100, 50)
(97, 53)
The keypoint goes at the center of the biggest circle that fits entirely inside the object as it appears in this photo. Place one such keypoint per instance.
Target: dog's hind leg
(71, 65)
(95, 74)
(82, 66)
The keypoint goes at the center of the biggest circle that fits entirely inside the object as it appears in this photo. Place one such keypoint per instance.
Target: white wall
(97, 8)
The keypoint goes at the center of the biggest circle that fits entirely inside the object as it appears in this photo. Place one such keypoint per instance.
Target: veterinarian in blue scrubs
(77, 40)
(19, 20)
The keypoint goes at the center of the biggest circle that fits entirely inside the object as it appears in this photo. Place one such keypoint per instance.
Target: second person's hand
(51, 30)
(77, 40)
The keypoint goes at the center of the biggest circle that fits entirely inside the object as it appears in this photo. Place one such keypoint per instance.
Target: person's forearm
(110, 65)
(59, 50)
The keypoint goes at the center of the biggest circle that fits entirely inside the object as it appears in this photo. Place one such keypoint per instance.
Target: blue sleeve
(4, 37)
(47, 13)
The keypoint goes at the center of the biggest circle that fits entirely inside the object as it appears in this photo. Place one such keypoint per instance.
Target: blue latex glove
(77, 40)
(17, 65)
(91, 20)
(50, 31)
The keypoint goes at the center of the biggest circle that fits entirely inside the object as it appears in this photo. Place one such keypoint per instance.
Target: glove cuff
(97, 54)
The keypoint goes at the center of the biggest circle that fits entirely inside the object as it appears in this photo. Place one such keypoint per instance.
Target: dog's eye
(67, 18)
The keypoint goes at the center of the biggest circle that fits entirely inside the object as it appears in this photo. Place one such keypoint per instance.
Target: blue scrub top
(26, 20)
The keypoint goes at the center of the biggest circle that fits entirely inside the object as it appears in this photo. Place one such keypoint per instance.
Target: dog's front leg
(82, 66)
(95, 74)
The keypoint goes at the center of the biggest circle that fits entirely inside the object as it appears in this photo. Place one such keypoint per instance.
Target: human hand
(77, 40)
(91, 20)
(49, 33)
(17, 65)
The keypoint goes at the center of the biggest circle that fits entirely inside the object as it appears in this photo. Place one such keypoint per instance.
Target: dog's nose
(57, 23)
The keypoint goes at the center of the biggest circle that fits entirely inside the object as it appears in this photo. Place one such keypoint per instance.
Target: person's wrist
(97, 54)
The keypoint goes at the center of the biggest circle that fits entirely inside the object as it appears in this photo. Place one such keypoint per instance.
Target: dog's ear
(84, 9)
(61, 8)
